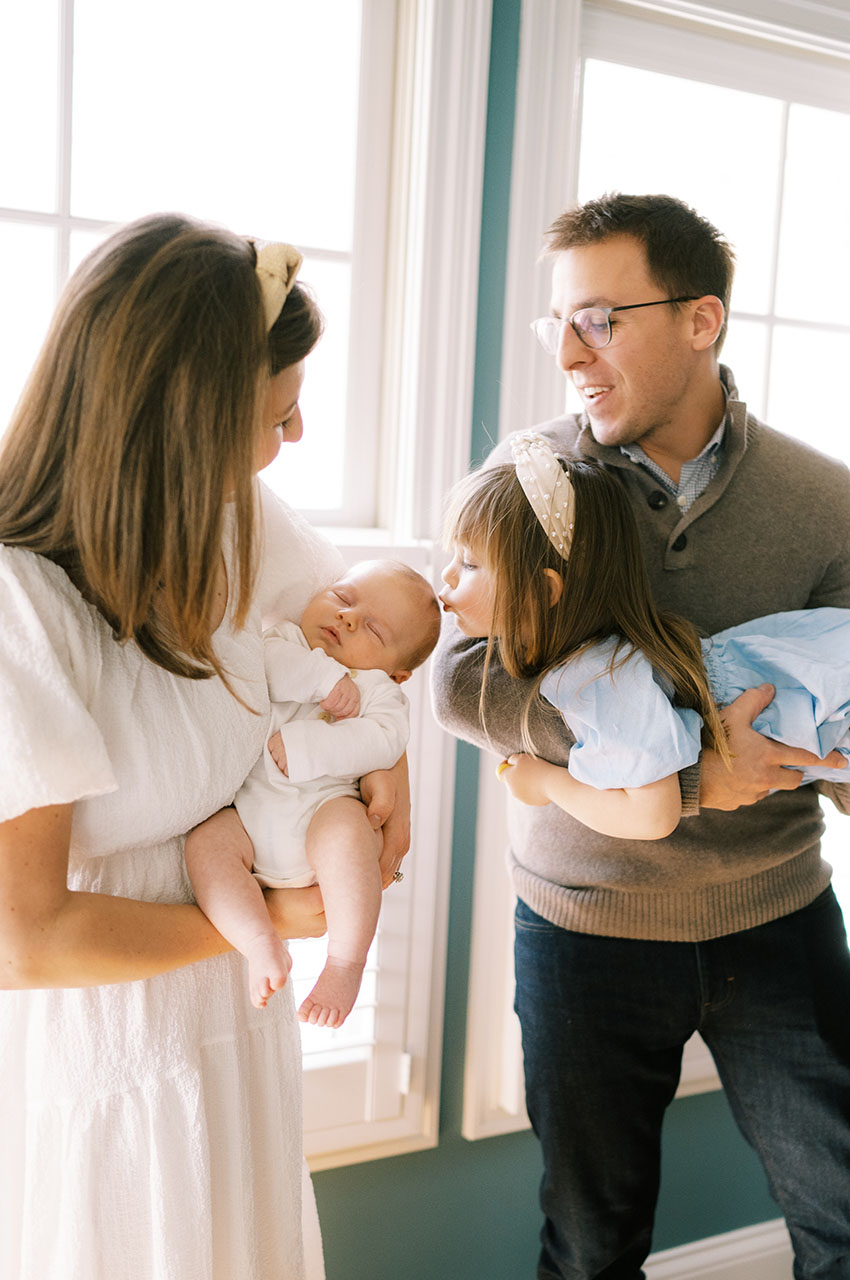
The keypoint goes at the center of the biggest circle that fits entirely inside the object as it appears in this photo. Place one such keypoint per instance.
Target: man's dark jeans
(604, 1021)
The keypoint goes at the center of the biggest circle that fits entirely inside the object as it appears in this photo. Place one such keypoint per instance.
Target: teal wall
(469, 1209)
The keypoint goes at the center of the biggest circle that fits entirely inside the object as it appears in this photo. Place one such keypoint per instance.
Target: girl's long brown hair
(606, 589)
(137, 425)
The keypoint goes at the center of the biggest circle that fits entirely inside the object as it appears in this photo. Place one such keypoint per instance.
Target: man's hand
(343, 700)
(386, 794)
(757, 762)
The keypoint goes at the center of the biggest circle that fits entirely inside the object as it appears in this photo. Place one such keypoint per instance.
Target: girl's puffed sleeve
(627, 731)
(52, 749)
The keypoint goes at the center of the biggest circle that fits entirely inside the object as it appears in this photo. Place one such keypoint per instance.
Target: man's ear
(555, 583)
(401, 676)
(708, 317)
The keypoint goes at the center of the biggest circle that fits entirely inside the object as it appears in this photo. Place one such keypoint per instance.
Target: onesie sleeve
(627, 731)
(294, 671)
(52, 750)
(374, 739)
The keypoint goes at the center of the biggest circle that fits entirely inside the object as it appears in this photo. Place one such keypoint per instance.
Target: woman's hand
(525, 777)
(297, 913)
(386, 794)
(277, 751)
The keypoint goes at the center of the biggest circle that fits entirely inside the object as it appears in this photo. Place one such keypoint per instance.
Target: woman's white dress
(148, 1130)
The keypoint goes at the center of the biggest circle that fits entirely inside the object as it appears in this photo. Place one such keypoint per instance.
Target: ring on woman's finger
(500, 768)
(398, 876)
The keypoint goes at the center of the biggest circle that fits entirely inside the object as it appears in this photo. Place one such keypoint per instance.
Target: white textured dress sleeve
(296, 560)
(294, 671)
(52, 750)
(627, 731)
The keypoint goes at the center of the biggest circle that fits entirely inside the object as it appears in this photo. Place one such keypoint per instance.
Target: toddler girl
(548, 565)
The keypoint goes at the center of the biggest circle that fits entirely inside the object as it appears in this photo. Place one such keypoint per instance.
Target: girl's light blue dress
(628, 733)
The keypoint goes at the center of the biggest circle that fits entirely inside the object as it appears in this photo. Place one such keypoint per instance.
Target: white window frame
(434, 226)
(767, 36)
(416, 296)
(433, 237)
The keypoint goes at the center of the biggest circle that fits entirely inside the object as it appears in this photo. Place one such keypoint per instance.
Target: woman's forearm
(96, 939)
(51, 936)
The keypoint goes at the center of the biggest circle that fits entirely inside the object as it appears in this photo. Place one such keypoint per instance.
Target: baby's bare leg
(219, 857)
(343, 850)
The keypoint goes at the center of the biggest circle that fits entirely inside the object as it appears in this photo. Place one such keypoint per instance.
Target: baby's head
(381, 615)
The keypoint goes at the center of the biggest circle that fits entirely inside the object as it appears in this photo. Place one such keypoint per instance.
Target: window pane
(813, 282)
(644, 132)
(345, 1043)
(834, 849)
(216, 113)
(745, 352)
(28, 272)
(814, 409)
(29, 81)
(311, 476)
(81, 244)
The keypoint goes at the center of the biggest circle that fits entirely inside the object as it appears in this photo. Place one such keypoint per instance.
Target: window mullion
(64, 124)
(774, 266)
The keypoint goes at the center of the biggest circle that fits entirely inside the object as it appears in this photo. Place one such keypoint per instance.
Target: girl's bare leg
(343, 850)
(219, 857)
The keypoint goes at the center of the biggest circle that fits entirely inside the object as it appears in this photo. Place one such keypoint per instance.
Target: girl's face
(281, 416)
(469, 592)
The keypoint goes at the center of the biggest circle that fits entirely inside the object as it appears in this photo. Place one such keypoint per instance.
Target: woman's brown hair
(605, 592)
(138, 427)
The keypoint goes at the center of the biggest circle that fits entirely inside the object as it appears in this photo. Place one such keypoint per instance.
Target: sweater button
(657, 499)
(680, 543)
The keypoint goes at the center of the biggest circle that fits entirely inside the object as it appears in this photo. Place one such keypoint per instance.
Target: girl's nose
(347, 618)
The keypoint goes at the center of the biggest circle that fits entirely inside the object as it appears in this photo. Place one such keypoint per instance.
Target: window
(135, 123)
(334, 126)
(742, 119)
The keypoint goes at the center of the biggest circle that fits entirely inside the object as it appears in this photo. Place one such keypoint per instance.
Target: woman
(150, 1116)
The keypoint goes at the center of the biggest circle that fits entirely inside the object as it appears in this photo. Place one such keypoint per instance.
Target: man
(728, 926)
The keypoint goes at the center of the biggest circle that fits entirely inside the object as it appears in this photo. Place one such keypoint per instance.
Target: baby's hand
(525, 776)
(343, 700)
(277, 751)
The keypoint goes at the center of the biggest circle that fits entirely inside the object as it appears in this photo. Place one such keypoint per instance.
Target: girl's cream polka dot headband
(547, 487)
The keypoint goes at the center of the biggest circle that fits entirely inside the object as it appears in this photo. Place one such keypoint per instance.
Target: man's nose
(571, 349)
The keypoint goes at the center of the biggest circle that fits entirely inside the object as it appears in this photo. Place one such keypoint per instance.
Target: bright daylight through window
(788, 312)
(100, 139)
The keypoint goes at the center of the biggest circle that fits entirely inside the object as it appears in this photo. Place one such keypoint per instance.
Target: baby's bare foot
(269, 963)
(331, 1000)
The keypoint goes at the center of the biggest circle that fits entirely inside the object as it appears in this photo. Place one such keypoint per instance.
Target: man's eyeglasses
(592, 325)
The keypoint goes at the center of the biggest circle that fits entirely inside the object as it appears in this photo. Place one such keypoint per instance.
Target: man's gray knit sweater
(770, 533)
